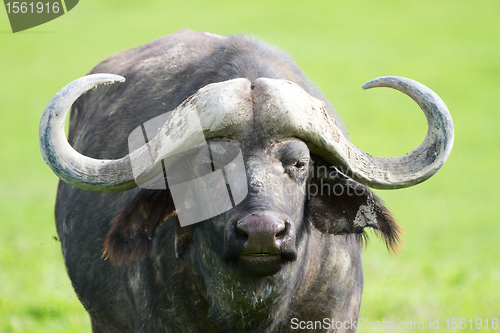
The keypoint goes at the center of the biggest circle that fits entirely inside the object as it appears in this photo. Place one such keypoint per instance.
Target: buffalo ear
(343, 206)
(133, 228)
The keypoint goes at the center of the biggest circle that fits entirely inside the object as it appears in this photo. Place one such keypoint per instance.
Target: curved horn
(210, 113)
(290, 111)
(425, 160)
(74, 168)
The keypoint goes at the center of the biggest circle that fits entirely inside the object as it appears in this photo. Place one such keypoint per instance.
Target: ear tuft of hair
(387, 227)
(132, 232)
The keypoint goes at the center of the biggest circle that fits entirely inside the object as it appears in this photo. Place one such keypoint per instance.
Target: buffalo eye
(298, 169)
(294, 157)
(216, 154)
(301, 165)
(205, 166)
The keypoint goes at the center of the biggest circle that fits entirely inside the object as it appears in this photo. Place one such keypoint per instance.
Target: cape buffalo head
(300, 170)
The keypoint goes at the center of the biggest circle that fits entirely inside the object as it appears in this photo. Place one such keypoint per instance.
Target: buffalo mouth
(262, 264)
(260, 257)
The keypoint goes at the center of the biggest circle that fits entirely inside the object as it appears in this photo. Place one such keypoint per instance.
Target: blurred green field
(450, 266)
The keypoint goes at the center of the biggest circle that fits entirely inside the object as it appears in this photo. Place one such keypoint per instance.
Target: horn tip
(381, 82)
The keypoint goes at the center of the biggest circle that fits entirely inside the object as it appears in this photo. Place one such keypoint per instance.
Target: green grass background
(450, 266)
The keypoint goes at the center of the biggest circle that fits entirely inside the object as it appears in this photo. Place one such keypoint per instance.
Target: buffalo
(286, 253)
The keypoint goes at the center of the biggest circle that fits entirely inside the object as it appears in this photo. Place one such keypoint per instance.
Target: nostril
(285, 230)
(240, 233)
(281, 233)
